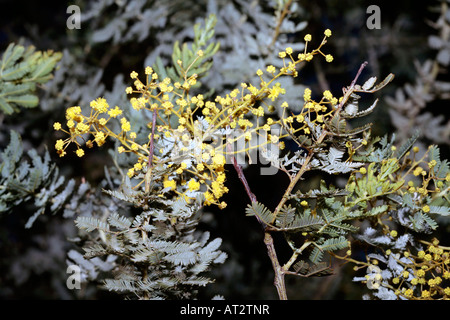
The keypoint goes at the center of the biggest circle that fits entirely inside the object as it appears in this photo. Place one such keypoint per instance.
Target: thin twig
(363, 65)
(241, 176)
(320, 76)
(280, 22)
(148, 175)
(148, 178)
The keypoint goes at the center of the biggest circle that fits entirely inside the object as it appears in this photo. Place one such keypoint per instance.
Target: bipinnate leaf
(261, 211)
(20, 70)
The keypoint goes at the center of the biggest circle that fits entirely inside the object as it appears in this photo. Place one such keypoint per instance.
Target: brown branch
(320, 75)
(268, 240)
(363, 65)
(241, 176)
(279, 271)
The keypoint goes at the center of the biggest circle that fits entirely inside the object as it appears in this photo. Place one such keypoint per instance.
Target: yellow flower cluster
(308, 38)
(429, 275)
(244, 109)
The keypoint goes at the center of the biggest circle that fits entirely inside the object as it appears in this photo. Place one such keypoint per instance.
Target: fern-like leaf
(264, 214)
(303, 222)
(118, 221)
(330, 244)
(90, 224)
(407, 145)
